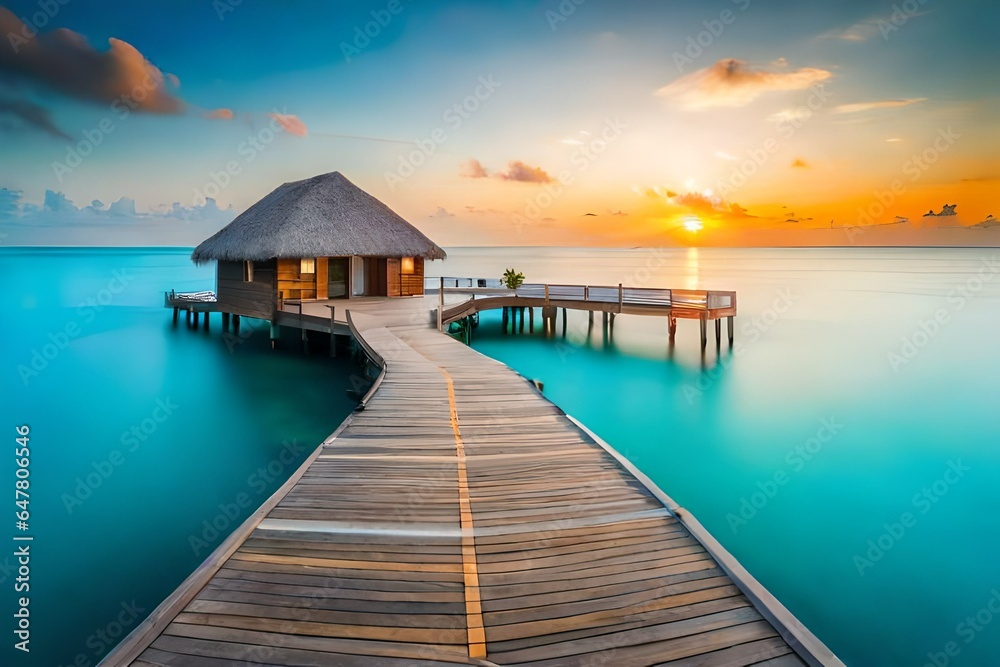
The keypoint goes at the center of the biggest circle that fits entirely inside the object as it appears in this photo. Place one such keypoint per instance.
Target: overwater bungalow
(316, 239)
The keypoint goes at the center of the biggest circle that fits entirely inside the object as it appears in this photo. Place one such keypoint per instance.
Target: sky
(559, 122)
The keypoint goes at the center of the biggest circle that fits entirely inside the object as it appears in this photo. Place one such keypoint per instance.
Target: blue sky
(563, 73)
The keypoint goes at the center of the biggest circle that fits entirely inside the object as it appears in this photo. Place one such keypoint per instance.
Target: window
(407, 266)
(308, 266)
(248, 272)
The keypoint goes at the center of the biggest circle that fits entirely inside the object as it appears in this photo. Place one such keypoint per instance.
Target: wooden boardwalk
(462, 518)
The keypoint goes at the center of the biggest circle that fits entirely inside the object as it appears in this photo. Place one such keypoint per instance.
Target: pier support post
(522, 319)
(236, 323)
(225, 322)
(611, 325)
(503, 318)
(729, 324)
(718, 333)
(672, 327)
(704, 332)
(604, 320)
(196, 317)
(564, 322)
(531, 320)
(275, 334)
(333, 329)
(305, 341)
(175, 314)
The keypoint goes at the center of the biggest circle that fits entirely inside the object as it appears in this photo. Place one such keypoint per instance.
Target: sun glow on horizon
(693, 224)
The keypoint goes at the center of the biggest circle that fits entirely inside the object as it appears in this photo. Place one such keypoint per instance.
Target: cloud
(64, 61)
(516, 171)
(441, 212)
(734, 83)
(703, 204)
(799, 163)
(32, 114)
(10, 202)
(290, 123)
(859, 107)
(524, 173)
(473, 169)
(219, 114)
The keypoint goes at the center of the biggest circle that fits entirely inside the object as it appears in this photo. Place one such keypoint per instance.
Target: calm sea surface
(149, 443)
(846, 450)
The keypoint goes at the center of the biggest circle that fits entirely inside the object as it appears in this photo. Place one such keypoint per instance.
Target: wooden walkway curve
(462, 518)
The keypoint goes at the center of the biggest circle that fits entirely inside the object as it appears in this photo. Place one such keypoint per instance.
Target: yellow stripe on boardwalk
(473, 602)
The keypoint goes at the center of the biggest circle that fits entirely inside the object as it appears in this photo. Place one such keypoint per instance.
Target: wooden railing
(373, 356)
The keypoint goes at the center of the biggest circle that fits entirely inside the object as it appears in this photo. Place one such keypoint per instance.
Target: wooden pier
(460, 517)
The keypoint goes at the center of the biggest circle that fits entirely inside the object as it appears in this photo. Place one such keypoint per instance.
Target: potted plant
(512, 279)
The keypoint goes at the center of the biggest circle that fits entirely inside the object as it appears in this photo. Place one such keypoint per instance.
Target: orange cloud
(523, 173)
(219, 114)
(734, 83)
(800, 164)
(291, 124)
(63, 61)
(473, 169)
(516, 171)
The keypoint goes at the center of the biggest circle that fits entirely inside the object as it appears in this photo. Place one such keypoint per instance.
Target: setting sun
(693, 224)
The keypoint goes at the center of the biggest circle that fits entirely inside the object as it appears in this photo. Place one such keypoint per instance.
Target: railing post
(620, 297)
(546, 295)
(586, 293)
(441, 306)
(333, 329)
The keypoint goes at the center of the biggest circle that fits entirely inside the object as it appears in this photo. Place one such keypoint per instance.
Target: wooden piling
(503, 318)
(704, 332)
(333, 329)
(729, 324)
(522, 319)
(718, 333)
(275, 334)
(531, 320)
(175, 314)
(564, 322)
(672, 327)
(225, 322)
(236, 323)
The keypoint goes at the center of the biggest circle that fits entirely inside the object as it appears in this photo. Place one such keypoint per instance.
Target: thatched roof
(323, 216)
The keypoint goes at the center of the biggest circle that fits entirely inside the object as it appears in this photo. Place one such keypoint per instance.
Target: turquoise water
(845, 451)
(802, 449)
(149, 443)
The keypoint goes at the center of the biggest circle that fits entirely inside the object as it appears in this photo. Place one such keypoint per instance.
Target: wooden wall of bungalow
(252, 289)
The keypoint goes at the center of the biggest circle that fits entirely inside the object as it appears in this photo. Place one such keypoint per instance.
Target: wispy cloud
(290, 123)
(735, 83)
(799, 163)
(859, 107)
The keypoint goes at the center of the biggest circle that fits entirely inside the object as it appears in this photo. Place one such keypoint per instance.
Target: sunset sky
(581, 122)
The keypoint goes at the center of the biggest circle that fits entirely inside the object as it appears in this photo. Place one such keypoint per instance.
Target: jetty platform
(461, 518)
